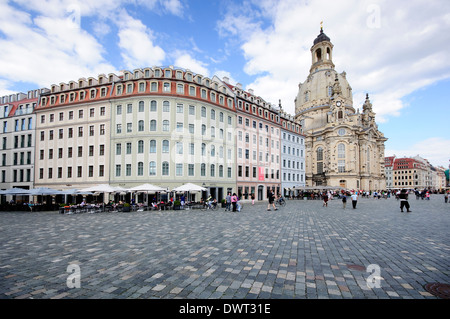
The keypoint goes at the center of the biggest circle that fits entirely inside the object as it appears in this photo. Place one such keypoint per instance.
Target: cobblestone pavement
(303, 250)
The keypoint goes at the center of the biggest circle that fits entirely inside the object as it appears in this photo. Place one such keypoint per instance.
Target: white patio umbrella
(44, 191)
(147, 188)
(189, 187)
(15, 191)
(102, 188)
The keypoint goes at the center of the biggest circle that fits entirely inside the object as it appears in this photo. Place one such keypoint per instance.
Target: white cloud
(436, 150)
(221, 74)
(45, 41)
(388, 48)
(186, 61)
(174, 7)
(136, 44)
(45, 50)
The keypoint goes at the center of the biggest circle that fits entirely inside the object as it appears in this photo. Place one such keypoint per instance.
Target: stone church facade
(344, 146)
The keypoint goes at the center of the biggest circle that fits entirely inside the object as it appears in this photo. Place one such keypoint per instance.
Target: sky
(396, 51)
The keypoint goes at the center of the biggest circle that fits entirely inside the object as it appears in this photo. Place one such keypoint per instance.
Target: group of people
(232, 203)
(401, 195)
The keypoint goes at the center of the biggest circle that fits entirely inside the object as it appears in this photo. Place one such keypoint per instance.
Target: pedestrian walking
(404, 200)
(271, 200)
(325, 200)
(354, 199)
(238, 204)
(344, 201)
(228, 202)
(446, 197)
(253, 199)
(234, 201)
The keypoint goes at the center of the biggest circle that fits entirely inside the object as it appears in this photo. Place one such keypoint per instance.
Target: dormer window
(130, 88)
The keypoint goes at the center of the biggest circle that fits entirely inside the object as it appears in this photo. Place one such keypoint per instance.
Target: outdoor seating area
(101, 198)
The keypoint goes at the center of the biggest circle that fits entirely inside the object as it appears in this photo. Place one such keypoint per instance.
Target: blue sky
(397, 51)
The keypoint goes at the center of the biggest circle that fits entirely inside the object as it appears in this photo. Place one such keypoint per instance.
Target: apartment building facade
(73, 134)
(413, 172)
(292, 156)
(162, 125)
(169, 127)
(17, 136)
(257, 145)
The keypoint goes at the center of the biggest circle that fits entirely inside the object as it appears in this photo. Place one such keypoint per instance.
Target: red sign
(261, 174)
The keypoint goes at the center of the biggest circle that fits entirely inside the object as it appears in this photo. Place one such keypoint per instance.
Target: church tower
(343, 146)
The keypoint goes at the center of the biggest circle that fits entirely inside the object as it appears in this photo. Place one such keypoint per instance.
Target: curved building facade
(162, 125)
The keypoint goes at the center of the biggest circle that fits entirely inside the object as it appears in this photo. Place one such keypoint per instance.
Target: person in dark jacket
(403, 196)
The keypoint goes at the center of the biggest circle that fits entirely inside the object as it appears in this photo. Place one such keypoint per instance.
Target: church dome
(321, 37)
(317, 89)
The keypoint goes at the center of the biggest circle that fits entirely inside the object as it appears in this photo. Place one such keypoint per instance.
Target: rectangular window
(179, 169)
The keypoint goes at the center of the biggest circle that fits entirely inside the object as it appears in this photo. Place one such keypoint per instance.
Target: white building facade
(292, 157)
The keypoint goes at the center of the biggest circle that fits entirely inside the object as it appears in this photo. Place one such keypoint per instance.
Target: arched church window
(319, 55)
(340, 115)
(320, 154)
(341, 150)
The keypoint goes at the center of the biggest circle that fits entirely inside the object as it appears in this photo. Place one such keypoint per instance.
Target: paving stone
(301, 251)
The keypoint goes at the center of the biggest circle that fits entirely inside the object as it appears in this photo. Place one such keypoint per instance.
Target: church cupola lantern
(322, 52)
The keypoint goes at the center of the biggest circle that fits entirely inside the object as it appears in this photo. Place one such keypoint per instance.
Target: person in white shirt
(354, 199)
